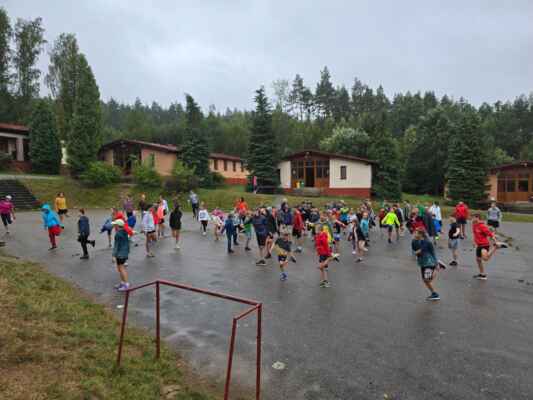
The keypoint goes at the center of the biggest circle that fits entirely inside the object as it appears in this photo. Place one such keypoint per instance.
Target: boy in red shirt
(297, 229)
(483, 237)
(325, 255)
(461, 215)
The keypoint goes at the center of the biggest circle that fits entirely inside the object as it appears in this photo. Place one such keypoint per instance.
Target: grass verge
(57, 344)
(225, 198)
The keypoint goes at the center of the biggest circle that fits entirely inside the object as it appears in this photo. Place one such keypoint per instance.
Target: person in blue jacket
(230, 229)
(51, 224)
(121, 252)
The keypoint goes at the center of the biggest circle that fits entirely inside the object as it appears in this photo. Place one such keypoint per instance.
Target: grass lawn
(82, 196)
(57, 344)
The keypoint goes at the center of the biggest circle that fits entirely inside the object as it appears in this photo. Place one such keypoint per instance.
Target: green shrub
(5, 161)
(217, 180)
(101, 174)
(183, 179)
(145, 175)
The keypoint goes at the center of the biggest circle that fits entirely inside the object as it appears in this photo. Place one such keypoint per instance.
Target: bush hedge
(101, 174)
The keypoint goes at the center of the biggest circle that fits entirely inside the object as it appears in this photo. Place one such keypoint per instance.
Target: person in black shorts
(283, 247)
(121, 251)
(427, 260)
(259, 222)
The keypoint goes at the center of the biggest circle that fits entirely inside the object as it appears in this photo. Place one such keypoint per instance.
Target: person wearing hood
(51, 224)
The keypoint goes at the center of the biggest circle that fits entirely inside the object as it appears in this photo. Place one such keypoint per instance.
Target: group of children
(282, 231)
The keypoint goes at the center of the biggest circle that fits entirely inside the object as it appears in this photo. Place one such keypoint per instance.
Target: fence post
(230, 359)
(123, 328)
(157, 321)
(259, 335)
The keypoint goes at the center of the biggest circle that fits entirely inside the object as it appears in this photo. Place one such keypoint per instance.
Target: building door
(309, 173)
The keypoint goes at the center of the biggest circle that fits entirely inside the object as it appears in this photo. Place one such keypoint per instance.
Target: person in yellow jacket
(392, 222)
(61, 207)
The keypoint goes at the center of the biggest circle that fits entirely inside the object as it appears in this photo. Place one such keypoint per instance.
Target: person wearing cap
(283, 247)
(7, 212)
(121, 251)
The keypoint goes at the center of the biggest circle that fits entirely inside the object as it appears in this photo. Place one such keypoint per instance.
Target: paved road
(371, 334)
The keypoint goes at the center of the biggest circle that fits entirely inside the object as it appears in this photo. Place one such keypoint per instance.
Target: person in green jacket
(392, 222)
(121, 251)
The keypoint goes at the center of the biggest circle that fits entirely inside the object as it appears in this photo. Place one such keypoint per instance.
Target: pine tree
(85, 136)
(196, 146)
(261, 161)
(6, 99)
(45, 150)
(387, 174)
(468, 161)
(325, 94)
(62, 79)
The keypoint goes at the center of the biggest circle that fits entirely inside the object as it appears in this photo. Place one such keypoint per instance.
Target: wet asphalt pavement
(371, 334)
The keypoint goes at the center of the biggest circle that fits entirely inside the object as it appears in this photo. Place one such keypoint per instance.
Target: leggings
(52, 237)
(204, 226)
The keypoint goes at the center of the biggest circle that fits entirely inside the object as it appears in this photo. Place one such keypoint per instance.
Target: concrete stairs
(22, 198)
(307, 192)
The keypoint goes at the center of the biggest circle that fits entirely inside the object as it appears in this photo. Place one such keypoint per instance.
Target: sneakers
(53, 248)
(117, 285)
(204, 233)
(85, 257)
(261, 262)
(354, 252)
(93, 243)
(177, 247)
(268, 256)
(453, 263)
(481, 277)
(336, 256)
(283, 276)
(299, 249)
(441, 264)
(502, 245)
(293, 259)
(247, 249)
(390, 241)
(360, 259)
(150, 255)
(433, 297)
(230, 251)
(324, 284)
(123, 287)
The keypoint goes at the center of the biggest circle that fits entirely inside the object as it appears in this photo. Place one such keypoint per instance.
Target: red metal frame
(255, 306)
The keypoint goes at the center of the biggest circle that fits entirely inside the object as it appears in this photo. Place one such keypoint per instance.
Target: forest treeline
(420, 140)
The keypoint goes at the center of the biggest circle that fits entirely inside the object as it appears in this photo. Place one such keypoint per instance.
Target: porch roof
(306, 153)
(13, 128)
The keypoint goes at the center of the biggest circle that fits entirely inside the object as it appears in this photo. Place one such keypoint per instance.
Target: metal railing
(255, 307)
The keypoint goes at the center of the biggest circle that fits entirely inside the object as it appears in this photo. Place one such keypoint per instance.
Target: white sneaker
(204, 233)
(177, 246)
(354, 252)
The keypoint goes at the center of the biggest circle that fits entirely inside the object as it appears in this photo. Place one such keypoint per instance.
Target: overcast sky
(220, 51)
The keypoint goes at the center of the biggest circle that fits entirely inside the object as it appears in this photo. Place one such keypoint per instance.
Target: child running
(121, 251)
(203, 217)
(483, 237)
(51, 224)
(494, 217)
(325, 254)
(7, 212)
(149, 230)
(427, 261)
(453, 240)
(84, 231)
(391, 222)
(230, 229)
(247, 225)
(175, 224)
(298, 229)
(108, 228)
(61, 207)
(283, 247)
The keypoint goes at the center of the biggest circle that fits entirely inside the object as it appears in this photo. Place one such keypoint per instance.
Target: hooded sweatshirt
(50, 218)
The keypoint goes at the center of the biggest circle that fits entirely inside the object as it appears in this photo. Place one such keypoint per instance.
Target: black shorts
(322, 258)
(161, 221)
(461, 221)
(62, 212)
(296, 233)
(282, 259)
(261, 240)
(390, 228)
(6, 219)
(121, 261)
(176, 228)
(427, 273)
(480, 249)
(493, 223)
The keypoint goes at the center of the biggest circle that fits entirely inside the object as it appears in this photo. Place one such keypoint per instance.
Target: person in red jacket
(483, 237)
(325, 255)
(461, 215)
(297, 229)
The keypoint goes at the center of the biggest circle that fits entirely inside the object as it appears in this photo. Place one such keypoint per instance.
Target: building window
(501, 185)
(151, 160)
(322, 168)
(523, 185)
(242, 166)
(215, 164)
(225, 165)
(510, 185)
(234, 166)
(343, 172)
(297, 168)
